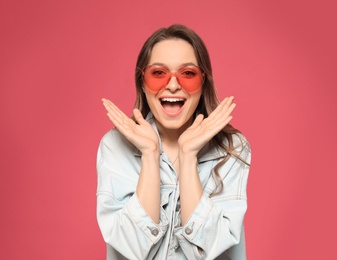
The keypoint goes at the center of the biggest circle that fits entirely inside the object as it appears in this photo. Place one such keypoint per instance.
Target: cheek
(150, 98)
(150, 92)
(195, 98)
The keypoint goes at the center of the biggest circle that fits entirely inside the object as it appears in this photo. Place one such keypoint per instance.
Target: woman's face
(173, 102)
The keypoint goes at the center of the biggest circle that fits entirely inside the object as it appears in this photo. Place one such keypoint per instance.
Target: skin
(173, 54)
(182, 138)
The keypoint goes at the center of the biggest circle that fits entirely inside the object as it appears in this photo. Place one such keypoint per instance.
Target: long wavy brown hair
(209, 98)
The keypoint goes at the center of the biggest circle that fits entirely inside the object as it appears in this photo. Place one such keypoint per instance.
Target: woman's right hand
(140, 134)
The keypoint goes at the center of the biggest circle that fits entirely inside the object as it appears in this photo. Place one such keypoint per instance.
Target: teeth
(172, 99)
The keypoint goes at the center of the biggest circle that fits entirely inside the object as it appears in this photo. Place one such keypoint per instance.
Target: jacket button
(188, 230)
(154, 231)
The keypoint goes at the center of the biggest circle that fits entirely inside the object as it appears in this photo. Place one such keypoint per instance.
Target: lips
(172, 105)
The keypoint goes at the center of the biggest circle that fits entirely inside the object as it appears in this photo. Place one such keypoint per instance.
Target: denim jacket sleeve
(216, 224)
(123, 222)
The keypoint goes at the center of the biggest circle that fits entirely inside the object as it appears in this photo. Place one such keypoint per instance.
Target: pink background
(59, 58)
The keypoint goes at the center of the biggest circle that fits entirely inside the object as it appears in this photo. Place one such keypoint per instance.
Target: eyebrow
(182, 65)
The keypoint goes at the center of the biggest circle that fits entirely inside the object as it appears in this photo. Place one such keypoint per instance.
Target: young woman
(172, 179)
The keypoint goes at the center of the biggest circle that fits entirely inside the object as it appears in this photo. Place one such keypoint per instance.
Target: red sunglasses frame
(161, 80)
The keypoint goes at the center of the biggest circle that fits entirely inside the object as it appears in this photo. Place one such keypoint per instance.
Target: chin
(176, 123)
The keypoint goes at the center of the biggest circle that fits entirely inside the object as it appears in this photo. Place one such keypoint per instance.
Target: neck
(171, 136)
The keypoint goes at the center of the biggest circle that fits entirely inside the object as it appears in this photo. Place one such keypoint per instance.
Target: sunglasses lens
(190, 78)
(157, 77)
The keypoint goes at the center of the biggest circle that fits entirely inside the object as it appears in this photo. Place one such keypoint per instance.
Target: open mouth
(172, 105)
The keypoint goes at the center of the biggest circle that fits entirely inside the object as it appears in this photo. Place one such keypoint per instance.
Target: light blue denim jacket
(216, 225)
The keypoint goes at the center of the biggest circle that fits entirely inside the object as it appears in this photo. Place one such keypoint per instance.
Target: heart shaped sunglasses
(156, 77)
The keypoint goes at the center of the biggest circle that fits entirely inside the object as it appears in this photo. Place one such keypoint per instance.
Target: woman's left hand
(203, 130)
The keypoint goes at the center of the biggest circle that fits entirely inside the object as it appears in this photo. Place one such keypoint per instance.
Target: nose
(173, 84)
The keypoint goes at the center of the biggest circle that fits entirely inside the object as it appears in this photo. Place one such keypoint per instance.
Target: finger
(110, 111)
(217, 108)
(224, 109)
(226, 103)
(111, 107)
(118, 118)
(226, 121)
(114, 111)
(229, 102)
(223, 118)
(197, 121)
(107, 103)
(138, 116)
(227, 111)
(220, 117)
